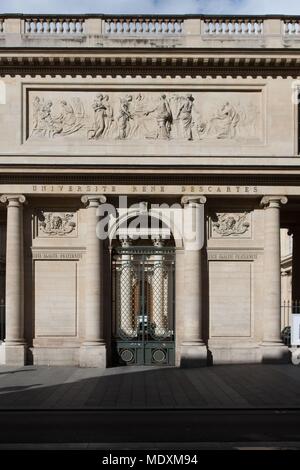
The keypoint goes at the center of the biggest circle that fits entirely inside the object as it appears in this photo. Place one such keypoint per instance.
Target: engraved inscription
(61, 255)
(138, 189)
(229, 256)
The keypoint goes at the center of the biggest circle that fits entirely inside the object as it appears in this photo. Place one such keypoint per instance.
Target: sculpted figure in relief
(124, 117)
(185, 114)
(109, 117)
(137, 116)
(103, 117)
(99, 117)
(176, 102)
(70, 118)
(164, 117)
(46, 124)
(222, 125)
(36, 105)
(138, 129)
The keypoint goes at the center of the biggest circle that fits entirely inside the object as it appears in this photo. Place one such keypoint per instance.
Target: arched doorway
(143, 288)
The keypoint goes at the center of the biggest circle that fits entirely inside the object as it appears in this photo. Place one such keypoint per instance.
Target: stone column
(15, 346)
(295, 231)
(159, 291)
(93, 350)
(126, 292)
(273, 349)
(286, 297)
(193, 348)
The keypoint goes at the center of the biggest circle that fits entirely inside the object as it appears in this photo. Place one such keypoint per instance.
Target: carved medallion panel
(231, 225)
(96, 117)
(56, 224)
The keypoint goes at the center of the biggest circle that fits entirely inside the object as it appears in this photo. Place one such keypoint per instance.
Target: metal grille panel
(143, 305)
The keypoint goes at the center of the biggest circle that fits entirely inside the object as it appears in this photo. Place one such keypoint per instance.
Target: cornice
(255, 63)
(153, 178)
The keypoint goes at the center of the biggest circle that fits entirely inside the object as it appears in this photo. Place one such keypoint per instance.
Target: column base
(193, 355)
(55, 356)
(15, 354)
(2, 353)
(224, 351)
(275, 353)
(93, 356)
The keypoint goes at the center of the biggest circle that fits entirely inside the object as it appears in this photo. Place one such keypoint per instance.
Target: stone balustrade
(233, 26)
(291, 26)
(163, 31)
(52, 25)
(143, 25)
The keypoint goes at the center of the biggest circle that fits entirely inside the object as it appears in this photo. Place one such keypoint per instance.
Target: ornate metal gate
(143, 305)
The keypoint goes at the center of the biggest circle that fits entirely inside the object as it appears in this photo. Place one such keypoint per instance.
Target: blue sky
(152, 6)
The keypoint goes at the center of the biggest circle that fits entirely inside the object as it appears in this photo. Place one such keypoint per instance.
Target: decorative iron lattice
(160, 302)
(126, 301)
(143, 305)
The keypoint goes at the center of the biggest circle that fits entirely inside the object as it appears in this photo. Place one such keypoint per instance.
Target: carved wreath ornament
(56, 224)
(231, 224)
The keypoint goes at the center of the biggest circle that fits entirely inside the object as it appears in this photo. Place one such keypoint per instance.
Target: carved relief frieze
(231, 225)
(95, 117)
(57, 224)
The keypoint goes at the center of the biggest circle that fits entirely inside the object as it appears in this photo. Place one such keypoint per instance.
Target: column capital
(13, 199)
(93, 200)
(273, 201)
(190, 199)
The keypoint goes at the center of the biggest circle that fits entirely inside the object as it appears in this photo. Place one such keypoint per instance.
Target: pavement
(222, 407)
(151, 429)
(219, 387)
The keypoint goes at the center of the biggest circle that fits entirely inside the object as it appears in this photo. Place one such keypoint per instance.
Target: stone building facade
(199, 114)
